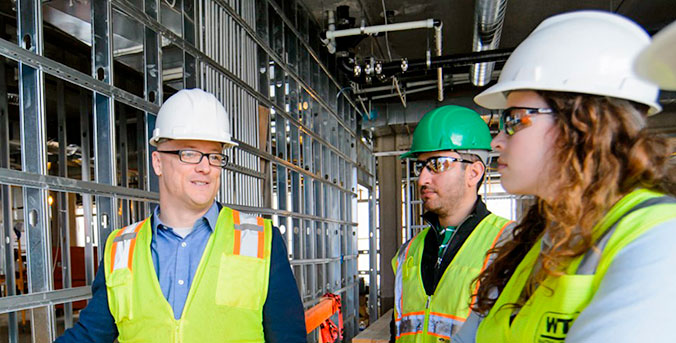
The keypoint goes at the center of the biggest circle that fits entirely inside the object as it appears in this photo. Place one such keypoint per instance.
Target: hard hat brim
(495, 97)
(227, 143)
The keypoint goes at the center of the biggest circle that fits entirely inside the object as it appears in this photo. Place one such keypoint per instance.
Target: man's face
(441, 192)
(184, 185)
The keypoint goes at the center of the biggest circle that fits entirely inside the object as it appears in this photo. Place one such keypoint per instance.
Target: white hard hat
(657, 63)
(590, 52)
(193, 114)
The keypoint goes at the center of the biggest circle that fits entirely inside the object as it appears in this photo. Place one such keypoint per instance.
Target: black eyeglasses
(195, 157)
(515, 119)
(436, 165)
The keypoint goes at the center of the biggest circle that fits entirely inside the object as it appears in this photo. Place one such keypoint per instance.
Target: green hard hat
(450, 128)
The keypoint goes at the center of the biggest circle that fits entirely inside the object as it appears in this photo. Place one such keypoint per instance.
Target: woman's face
(524, 162)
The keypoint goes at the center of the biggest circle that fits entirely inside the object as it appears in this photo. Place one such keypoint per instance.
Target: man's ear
(157, 163)
(474, 173)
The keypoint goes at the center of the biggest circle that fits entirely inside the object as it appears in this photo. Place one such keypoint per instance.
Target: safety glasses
(195, 157)
(515, 119)
(436, 165)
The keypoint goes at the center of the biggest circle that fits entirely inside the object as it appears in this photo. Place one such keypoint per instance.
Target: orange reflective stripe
(456, 318)
(235, 217)
(238, 234)
(113, 250)
(133, 244)
(413, 313)
(238, 241)
(261, 243)
(261, 237)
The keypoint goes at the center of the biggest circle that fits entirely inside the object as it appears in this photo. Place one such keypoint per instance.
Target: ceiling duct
(489, 15)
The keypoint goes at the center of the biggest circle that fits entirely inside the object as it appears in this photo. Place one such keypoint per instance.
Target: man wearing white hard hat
(657, 63)
(194, 271)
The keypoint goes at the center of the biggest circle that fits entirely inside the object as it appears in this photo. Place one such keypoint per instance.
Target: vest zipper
(426, 320)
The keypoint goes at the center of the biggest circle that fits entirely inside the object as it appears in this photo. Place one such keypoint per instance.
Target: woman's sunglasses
(515, 119)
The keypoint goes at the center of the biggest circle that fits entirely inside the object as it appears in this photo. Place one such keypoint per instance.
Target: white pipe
(332, 27)
(420, 24)
(440, 71)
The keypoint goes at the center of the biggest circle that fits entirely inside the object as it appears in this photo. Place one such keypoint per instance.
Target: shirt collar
(211, 217)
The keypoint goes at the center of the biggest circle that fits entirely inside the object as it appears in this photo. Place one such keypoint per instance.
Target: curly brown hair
(602, 152)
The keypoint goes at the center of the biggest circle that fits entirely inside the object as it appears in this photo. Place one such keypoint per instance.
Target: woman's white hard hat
(193, 114)
(590, 52)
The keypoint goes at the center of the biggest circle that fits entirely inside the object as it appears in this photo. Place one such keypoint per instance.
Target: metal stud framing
(33, 160)
(299, 160)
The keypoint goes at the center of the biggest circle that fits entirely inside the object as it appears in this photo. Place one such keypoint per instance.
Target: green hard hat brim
(413, 154)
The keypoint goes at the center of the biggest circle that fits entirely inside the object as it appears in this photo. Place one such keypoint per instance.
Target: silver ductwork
(489, 15)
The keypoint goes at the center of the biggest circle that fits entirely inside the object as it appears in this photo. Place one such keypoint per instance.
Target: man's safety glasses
(515, 119)
(436, 165)
(195, 157)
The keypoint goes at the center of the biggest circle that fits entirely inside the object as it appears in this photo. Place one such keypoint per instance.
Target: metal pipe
(331, 17)
(448, 61)
(440, 71)
(489, 15)
(368, 30)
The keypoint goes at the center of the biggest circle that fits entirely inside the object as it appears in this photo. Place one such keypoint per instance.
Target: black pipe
(455, 61)
(451, 61)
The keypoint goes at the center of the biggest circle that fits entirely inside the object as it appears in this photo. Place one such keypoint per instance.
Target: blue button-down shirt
(283, 318)
(176, 258)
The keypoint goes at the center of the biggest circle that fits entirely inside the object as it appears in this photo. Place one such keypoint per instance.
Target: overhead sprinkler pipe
(331, 34)
(369, 30)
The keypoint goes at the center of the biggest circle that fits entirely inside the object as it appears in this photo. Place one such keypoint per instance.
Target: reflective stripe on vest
(399, 282)
(249, 238)
(557, 302)
(410, 324)
(441, 325)
(123, 246)
(423, 318)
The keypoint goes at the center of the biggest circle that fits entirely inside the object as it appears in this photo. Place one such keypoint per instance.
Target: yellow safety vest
(433, 319)
(557, 301)
(225, 301)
